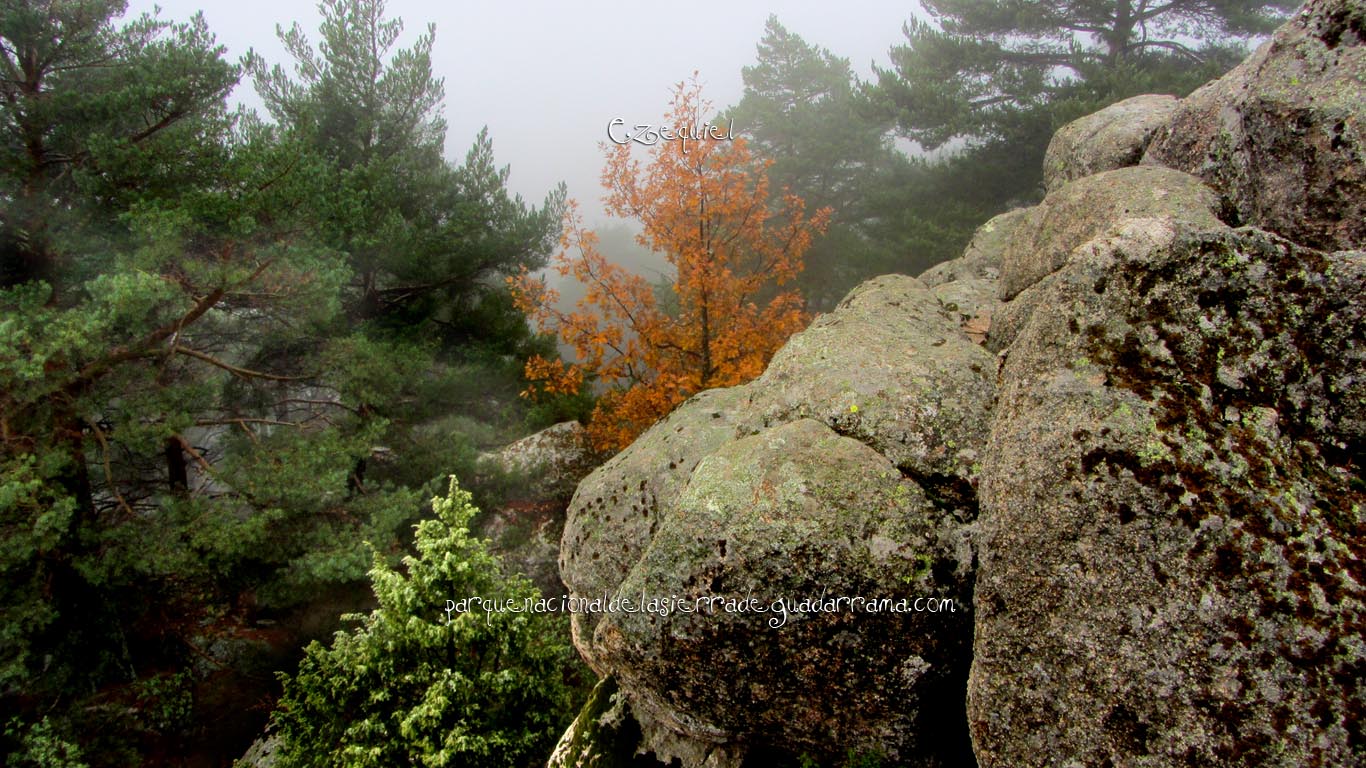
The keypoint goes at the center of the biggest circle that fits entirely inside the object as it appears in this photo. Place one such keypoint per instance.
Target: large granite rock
(1087, 207)
(605, 734)
(1172, 518)
(966, 287)
(1282, 134)
(846, 468)
(1114, 137)
(793, 513)
(1148, 485)
(615, 511)
(891, 368)
(550, 462)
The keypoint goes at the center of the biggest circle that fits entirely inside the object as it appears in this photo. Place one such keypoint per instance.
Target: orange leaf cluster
(705, 205)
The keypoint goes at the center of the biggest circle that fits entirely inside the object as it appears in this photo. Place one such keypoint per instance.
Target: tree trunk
(177, 472)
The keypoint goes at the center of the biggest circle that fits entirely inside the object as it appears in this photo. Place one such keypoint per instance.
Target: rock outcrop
(1080, 210)
(890, 368)
(793, 513)
(541, 472)
(616, 510)
(1282, 136)
(1170, 539)
(604, 735)
(550, 463)
(1122, 436)
(1114, 137)
(842, 472)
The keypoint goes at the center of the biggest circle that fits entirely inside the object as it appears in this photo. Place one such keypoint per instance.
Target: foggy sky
(547, 77)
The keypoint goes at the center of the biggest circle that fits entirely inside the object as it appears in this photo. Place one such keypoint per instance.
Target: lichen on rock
(1283, 135)
(891, 368)
(1171, 565)
(1146, 489)
(792, 513)
(846, 469)
(1114, 137)
(1080, 210)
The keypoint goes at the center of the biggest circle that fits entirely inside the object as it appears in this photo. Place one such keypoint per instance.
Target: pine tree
(427, 242)
(801, 108)
(993, 79)
(983, 70)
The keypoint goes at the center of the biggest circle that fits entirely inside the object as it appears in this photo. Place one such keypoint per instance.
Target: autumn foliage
(705, 205)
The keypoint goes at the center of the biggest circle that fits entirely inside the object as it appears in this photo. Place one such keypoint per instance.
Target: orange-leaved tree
(702, 202)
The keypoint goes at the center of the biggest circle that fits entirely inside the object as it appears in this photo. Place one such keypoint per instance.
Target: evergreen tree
(427, 242)
(428, 327)
(97, 117)
(993, 79)
(984, 70)
(800, 109)
(418, 684)
(191, 385)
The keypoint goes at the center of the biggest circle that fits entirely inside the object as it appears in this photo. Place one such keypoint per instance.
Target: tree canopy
(801, 109)
(231, 350)
(416, 683)
(406, 219)
(705, 205)
(979, 69)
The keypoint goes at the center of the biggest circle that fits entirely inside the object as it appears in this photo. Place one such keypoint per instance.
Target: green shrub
(408, 687)
(39, 745)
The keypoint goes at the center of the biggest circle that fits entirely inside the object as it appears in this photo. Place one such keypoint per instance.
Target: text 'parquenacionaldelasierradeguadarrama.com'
(781, 608)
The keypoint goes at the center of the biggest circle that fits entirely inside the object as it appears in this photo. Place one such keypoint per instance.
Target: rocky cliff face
(1141, 492)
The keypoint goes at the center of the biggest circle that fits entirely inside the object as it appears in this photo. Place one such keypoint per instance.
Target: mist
(547, 79)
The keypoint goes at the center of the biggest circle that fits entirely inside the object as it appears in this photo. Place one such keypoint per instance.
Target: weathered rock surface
(967, 287)
(890, 368)
(1140, 233)
(981, 260)
(1283, 135)
(525, 530)
(1114, 137)
(1085, 208)
(553, 461)
(604, 735)
(1172, 524)
(615, 511)
(891, 384)
(797, 511)
(261, 753)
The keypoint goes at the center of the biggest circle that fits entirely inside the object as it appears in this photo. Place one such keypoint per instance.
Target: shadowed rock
(796, 512)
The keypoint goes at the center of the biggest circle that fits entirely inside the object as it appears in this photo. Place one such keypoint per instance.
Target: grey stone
(553, 461)
(1170, 569)
(1085, 208)
(261, 753)
(890, 368)
(605, 734)
(797, 512)
(614, 512)
(1114, 137)
(1282, 134)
